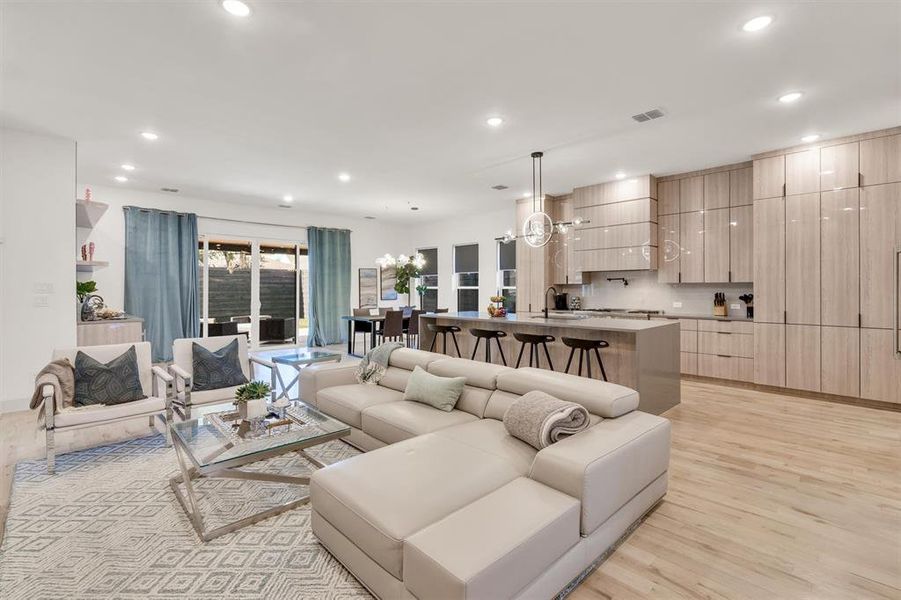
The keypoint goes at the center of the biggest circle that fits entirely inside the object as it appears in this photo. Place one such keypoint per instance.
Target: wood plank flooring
(770, 496)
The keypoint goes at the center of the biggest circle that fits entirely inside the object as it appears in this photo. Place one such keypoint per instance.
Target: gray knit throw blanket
(539, 419)
(373, 366)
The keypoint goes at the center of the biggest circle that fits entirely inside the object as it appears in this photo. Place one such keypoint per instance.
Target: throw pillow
(216, 370)
(115, 382)
(439, 392)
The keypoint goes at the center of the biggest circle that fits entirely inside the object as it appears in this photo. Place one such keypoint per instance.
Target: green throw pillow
(439, 392)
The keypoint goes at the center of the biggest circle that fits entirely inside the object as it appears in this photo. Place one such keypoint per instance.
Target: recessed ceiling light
(494, 121)
(236, 8)
(149, 135)
(527, 194)
(620, 175)
(128, 167)
(288, 198)
(810, 138)
(121, 178)
(757, 23)
(344, 177)
(790, 97)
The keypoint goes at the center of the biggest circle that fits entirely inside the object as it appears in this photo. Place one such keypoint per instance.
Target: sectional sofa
(447, 505)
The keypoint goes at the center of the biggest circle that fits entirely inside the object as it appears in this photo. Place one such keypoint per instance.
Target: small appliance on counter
(719, 305)
(575, 303)
(561, 301)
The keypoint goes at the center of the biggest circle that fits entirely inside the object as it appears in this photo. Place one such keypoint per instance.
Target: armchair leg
(51, 453)
(152, 424)
(168, 434)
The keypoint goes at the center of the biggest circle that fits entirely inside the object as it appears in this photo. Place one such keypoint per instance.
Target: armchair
(182, 369)
(155, 384)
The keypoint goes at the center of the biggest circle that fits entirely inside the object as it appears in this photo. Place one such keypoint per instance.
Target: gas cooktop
(634, 311)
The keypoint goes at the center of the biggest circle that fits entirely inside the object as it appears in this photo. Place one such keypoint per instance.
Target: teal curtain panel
(329, 284)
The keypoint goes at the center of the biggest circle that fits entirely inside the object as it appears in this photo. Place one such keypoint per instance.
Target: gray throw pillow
(115, 382)
(439, 392)
(216, 370)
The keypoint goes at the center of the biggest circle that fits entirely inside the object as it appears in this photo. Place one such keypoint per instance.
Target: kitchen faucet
(545, 299)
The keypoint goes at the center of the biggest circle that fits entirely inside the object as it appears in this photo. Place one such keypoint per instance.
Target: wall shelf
(87, 266)
(88, 213)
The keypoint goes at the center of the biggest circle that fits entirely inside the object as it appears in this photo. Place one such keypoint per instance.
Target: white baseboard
(14, 404)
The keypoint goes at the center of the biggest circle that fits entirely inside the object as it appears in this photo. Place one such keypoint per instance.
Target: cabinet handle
(783, 190)
(896, 262)
(859, 179)
(724, 355)
(724, 332)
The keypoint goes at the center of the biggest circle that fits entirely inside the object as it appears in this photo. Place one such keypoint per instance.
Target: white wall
(37, 267)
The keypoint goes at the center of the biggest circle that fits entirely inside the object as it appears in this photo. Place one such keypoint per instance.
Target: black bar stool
(443, 330)
(488, 335)
(534, 340)
(582, 346)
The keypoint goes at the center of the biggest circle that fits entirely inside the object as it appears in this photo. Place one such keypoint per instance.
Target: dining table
(374, 320)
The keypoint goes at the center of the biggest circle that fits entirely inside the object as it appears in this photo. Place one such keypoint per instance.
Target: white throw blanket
(539, 419)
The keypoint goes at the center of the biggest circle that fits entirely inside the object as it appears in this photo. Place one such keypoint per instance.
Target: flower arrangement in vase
(250, 399)
(496, 308)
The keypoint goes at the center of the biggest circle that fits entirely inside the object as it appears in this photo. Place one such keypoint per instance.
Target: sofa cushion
(495, 546)
(601, 398)
(438, 392)
(346, 402)
(477, 374)
(408, 358)
(112, 382)
(396, 421)
(220, 396)
(98, 413)
(395, 378)
(376, 499)
(491, 436)
(216, 369)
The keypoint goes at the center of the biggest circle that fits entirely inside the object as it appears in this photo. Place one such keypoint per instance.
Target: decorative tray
(238, 431)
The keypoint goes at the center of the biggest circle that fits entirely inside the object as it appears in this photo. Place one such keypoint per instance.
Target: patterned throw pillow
(216, 370)
(115, 382)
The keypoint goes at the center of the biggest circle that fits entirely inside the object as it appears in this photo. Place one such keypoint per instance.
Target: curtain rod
(229, 220)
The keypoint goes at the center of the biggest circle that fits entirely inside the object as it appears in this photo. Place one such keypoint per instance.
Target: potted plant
(84, 288)
(408, 268)
(250, 399)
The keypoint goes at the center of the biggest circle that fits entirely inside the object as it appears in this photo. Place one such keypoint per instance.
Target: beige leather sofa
(448, 505)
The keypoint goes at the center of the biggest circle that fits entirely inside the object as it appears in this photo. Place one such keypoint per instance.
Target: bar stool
(534, 339)
(488, 335)
(443, 330)
(582, 346)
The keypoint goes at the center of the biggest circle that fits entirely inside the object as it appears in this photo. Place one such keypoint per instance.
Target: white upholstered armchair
(155, 383)
(182, 368)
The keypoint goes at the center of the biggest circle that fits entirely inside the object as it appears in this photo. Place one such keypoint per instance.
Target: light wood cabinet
(802, 172)
(741, 244)
(691, 193)
(616, 236)
(839, 166)
(769, 354)
(689, 363)
(769, 260)
(668, 251)
(840, 358)
(716, 245)
(840, 257)
(802, 259)
(741, 190)
(689, 341)
(636, 258)
(620, 213)
(722, 326)
(769, 177)
(530, 266)
(802, 357)
(691, 240)
(880, 371)
(880, 234)
(615, 191)
(668, 197)
(716, 190)
(561, 268)
(880, 160)
(726, 343)
(725, 367)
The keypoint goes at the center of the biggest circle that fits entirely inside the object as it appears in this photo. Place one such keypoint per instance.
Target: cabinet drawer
(721, 342)
(726, 367)
(689, 341)
(689, 363)
(745, 327)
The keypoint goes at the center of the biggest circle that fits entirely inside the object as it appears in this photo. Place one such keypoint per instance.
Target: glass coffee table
(298, 359)
(217, 443)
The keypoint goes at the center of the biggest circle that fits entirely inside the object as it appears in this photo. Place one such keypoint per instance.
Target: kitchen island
(643, 354)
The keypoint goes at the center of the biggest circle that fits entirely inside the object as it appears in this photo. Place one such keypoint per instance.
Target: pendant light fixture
(539, 228)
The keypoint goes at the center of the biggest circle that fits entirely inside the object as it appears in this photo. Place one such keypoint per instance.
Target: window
(506, 273)
(466, 276)
(430, 278)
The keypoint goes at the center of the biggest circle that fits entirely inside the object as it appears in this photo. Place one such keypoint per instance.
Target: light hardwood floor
(770, 497)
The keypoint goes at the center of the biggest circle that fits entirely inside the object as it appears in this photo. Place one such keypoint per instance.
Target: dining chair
(360, 327)
(393, 327)
(442, 310)
(412, 330)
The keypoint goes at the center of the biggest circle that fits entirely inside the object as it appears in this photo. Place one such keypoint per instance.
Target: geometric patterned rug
(108, 525)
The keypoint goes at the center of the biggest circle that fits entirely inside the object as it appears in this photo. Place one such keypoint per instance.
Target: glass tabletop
(304, 357)
(219, 436)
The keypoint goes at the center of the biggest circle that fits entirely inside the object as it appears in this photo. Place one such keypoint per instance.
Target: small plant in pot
(250, 399)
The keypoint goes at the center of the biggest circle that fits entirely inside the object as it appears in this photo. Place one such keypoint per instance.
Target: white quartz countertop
(558, 322)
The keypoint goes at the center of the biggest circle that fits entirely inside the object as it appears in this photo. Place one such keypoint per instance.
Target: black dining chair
(412, 329)
(393, 326)
(361, 327)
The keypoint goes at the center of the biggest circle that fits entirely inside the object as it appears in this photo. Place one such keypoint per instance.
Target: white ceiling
(397, 93)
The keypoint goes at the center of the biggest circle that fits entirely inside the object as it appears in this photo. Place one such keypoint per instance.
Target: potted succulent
(250, 399)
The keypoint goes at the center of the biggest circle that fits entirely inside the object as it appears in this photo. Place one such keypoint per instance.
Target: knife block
(720, 311)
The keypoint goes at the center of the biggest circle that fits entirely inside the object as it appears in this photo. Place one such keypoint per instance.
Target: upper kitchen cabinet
(880, 238)
(691, 193)
(802, 172)
(840, 166)
(615, 191)
(769, 260)
(716, 245)
(840, 257)
(802, 259)
(880, 160)
(741, 187)
(668, 197)
(669, 250)
(716, 190)
(741, 244)
(691, 236)
(769, 177)
(561, 268)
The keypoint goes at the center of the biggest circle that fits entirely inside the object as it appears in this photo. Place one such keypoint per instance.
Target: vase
(252, 409)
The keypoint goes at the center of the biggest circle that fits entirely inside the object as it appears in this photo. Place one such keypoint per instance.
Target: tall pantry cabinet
(827, 232)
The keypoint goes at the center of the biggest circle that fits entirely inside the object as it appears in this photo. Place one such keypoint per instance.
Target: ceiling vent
(170, 190)
(285, 206)
(655, 113)
(500, 187)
